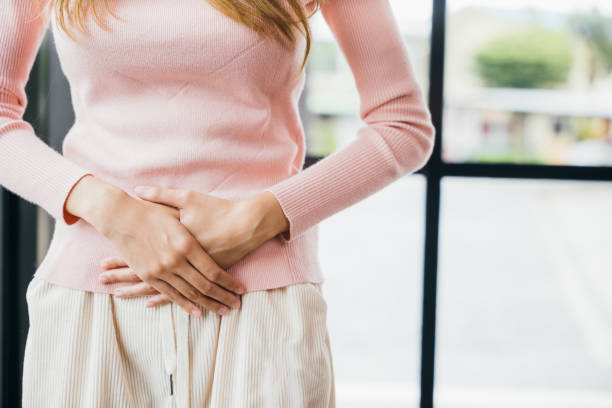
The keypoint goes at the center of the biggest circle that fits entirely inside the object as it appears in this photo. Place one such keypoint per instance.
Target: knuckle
(171, 260)
(206, 287)
(214, 275)
(229, 299)
(184, 244)
(156, 270)
(173, 295)
(149, 274)
(186, 195)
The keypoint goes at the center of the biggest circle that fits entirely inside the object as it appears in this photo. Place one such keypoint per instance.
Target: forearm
(28, 166)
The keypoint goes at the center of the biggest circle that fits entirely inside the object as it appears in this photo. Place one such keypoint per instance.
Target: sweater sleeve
(28, 166)
(398, 137)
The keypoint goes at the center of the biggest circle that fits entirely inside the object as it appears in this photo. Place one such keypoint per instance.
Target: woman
(181, 188)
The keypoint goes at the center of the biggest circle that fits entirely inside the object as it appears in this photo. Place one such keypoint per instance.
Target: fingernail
(195, 312)
(223, 310)
(118, 293)
(103, 278)
(149, 303)
(241, 290)
(236, 304)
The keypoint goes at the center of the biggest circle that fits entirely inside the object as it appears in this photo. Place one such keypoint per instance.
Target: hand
(159, 249)
(227, 231)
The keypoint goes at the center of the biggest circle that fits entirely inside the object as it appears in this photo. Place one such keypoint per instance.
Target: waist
(75, 252)
(234, 160)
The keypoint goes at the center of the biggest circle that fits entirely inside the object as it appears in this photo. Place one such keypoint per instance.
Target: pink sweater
(179, 95)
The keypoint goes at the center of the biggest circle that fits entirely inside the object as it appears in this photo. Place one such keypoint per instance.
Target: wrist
(94, 201)
(268, 216)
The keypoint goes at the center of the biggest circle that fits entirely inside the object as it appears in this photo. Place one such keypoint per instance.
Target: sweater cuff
(294, 205)
(36, 172)
(287, 235)
(68, 217)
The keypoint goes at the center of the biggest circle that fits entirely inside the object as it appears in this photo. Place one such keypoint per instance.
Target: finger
(213, 272)
(175, 296)
(195, 296)
(139, 289)
(113, 262)
(168, 196)
(119, 275)
(157, 300)
(208, 288)
(185, 288)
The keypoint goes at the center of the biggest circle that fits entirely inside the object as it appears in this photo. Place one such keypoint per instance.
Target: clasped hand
(226, 231)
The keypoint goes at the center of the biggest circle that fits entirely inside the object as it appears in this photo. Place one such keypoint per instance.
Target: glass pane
(330, 101)
(371, 255)
(525, 294)
(528, 82)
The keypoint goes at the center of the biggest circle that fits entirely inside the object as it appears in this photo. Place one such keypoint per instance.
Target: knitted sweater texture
(178, 95)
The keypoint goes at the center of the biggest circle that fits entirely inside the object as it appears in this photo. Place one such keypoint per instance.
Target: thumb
(167, 196)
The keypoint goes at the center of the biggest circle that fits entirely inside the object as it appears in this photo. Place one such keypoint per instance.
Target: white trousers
(89, 349)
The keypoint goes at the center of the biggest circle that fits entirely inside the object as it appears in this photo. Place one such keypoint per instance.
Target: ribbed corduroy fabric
(178, 95)
(89, 349)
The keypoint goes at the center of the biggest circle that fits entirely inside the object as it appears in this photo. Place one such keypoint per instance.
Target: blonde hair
(269, 18)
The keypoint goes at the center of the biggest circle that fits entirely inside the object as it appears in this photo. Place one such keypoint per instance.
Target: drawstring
(175, 346)
(184, 382)
(168, 344)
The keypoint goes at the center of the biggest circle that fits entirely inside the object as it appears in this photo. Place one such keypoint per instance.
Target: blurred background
(484, 279)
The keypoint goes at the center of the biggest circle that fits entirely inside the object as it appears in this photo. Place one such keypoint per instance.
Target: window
(528, 82)
(525, 294)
